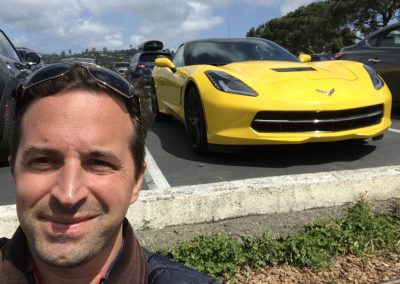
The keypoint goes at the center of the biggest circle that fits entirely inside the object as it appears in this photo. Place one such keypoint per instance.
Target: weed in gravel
(360, 232)
(217, 255)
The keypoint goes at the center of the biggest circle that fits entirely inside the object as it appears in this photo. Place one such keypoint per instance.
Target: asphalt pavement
(184, 188)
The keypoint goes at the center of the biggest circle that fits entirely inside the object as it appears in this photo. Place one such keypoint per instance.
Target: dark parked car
(142, 62)
(380, 50)
(120, 67)
(12, 70)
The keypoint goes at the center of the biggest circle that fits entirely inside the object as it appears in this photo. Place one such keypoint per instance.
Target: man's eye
(42, 163)
(97, 164)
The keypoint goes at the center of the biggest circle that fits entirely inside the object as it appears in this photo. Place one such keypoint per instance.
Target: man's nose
(70, 188)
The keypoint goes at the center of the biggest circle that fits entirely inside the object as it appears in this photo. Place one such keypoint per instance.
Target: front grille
(311, 121)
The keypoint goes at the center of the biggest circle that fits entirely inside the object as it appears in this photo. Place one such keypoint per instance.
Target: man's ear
(138, 184)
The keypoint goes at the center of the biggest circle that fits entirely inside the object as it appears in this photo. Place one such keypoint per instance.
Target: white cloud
(45, 15)
(286, 6)
(200, 18)
(291, 5)
(21, 41)
(176, 22)
(93, 34)
(267, 2)
(80, 24)
(135, 40)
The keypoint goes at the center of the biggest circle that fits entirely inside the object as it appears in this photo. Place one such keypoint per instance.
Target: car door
(170, 84)
(12, 71)
(11, 59)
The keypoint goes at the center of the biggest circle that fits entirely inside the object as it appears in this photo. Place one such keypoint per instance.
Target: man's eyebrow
(34, 150)
(104, 155)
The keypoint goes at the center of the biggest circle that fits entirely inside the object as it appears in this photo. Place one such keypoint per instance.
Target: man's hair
(78, 78)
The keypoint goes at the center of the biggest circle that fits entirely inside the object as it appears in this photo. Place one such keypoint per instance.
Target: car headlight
(376, 80)
(229, 84)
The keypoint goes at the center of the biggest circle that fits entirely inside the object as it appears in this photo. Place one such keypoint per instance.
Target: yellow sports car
(251, 91)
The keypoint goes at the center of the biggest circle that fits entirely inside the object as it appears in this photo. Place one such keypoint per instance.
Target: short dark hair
(78, 78)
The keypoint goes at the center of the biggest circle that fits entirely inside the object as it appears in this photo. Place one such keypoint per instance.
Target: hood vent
(294, 69)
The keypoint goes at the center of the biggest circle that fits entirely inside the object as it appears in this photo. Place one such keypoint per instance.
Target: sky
(53, 26)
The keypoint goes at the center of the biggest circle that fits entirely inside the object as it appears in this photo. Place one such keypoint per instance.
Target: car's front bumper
(229, 118)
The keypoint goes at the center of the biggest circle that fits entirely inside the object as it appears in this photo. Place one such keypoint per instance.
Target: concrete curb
(269, 195)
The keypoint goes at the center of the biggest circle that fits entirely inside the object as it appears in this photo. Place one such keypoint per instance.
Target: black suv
(142, 62)
(381, 51)
(12, 70)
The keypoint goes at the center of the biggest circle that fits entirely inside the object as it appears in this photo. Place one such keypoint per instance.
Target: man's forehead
(80, 101)
(78, 117)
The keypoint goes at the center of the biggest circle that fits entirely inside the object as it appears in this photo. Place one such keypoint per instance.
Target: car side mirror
(305, 58)
(165, 62)
(32, 58)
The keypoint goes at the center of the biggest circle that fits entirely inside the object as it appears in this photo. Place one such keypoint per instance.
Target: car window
(6, 48)
(134, 59)
(388, 38)
(225, 52)
(151, 57)
(22, 53)
(121, 64)
(178, 58)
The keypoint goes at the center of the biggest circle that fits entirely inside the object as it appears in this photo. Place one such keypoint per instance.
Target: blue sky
(51, 26)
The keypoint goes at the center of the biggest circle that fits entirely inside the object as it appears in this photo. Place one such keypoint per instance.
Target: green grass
(361, 232)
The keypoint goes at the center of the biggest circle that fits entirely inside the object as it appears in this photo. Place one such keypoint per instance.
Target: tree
(369, 15)
(327, 26)
(310, 29)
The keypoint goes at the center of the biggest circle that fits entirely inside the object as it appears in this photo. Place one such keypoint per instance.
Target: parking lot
(179, 165)
(172, 163)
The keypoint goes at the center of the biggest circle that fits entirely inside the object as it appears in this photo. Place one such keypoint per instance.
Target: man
(77, 161)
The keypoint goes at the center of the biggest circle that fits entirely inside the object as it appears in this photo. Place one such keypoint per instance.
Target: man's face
(74, 176)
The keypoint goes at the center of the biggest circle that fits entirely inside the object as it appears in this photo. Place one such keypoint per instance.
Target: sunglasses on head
(102, 75)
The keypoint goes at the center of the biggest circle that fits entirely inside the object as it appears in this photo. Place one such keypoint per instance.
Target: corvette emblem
(330, 93)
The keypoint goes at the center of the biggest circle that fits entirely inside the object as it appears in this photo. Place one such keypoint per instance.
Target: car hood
(278, 71)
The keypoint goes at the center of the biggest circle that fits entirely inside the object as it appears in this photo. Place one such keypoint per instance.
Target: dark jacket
(15, 264)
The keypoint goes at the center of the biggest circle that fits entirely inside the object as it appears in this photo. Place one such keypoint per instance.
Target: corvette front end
(297, 111)
(250, 91)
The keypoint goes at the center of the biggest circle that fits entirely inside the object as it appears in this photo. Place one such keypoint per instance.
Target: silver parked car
(120, 67)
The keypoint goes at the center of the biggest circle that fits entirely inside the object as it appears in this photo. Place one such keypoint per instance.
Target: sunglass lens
(46, 73)
(112, 80)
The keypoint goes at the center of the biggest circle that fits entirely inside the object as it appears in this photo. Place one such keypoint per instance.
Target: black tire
(195, 122)
(6, 134)
(158, 116)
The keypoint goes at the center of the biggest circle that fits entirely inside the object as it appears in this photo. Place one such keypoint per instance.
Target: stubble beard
(63, 251)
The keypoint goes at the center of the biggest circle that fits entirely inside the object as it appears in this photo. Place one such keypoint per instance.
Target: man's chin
(62, 254)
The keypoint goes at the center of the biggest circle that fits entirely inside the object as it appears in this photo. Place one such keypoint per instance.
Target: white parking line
(153, 176)
(394, 130)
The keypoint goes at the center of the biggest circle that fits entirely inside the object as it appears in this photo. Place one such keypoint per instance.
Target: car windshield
(121, 64)
(151, 57)
(6, 48)
(220, 52)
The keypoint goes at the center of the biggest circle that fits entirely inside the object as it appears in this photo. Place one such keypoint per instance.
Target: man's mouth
(67, 224)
